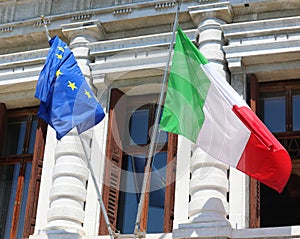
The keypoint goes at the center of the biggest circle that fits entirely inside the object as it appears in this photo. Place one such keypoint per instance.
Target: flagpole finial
(46, 28)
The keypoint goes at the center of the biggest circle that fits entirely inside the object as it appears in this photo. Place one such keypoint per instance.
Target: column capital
(235, 63)
(219, 10)
(89, 29)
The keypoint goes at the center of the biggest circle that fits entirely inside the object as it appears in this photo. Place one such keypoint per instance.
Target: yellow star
(58, 56)
(58, 73)
(87, 93)
(61, 49)
(72, 85)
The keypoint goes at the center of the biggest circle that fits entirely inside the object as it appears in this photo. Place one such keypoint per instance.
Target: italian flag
(202, 106)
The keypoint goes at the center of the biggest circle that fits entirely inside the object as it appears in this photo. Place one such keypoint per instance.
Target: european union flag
(66, 99)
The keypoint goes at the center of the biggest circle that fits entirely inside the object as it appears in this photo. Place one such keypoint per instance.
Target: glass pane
(296, 110)
(9, 174)
(24, 200)
(273, 111)
(139, 127)
(6, 172)
(155, 222)
(131, 182)
(131, 185)
(32, 135)
(15, 137)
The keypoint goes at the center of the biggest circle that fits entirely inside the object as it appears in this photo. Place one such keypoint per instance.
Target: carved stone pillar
(209, 185)
(208, 190)
(209, 181)
(68, 191)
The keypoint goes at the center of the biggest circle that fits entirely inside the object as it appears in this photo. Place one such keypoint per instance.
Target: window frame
(36, 158)
(116, 149)
(256, 89)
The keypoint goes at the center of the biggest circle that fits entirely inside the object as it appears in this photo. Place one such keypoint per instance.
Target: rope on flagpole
(137, 231)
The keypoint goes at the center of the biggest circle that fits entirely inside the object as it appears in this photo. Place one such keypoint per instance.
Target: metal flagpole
(155, 129)
(46, 28)
(110, 231)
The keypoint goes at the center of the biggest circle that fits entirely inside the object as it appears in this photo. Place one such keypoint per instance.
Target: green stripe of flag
(187, 90)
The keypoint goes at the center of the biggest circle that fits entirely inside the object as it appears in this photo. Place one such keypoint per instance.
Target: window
(278, 105)
(22, 145)
(130, 123)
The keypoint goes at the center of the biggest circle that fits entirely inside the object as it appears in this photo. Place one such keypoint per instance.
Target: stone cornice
(261, 28)
(23, 58)
(105, 14)
(266, 48)
(92, 29)
(220, 10)
(269, 61)
(132, 43)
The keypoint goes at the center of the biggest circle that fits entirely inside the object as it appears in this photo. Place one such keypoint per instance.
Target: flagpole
(46, 28)
(155, 128)
(110, 231)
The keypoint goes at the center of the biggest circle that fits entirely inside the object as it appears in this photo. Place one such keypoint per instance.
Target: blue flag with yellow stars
(66, 98)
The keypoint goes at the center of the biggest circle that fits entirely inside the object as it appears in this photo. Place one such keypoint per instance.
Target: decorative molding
(265, 47)
(132, 43)
(207, 1)
(159, 6)
(269, 27)
(81, 17)
(88, 28)
(40, 23)
(207, 10)
(6, 29)
(122, 11)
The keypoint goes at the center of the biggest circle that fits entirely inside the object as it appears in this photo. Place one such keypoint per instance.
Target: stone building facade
(122, 49)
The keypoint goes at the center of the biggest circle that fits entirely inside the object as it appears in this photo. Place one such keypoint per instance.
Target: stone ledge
(271, 232)
(227, 232)
(261, 27)
(263, 48)
(23, 58)
(192, 232)
(131, 43)
(69, 235)
(263, 57)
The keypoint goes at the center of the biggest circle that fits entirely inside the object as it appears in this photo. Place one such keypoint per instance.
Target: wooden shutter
(170, 182)
(3, 124)
(35, 178)
(114, 154)
(254, 187)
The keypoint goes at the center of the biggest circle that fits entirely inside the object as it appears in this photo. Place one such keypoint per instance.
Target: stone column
(208, 190)
(209, 185)
(68, 191)
(70, 173)
(209, 181)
